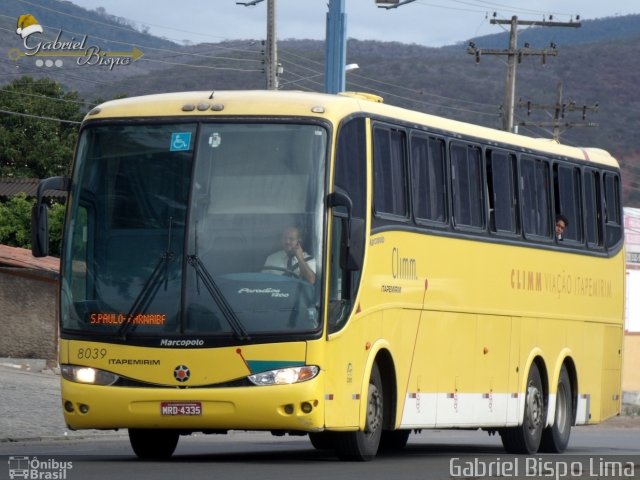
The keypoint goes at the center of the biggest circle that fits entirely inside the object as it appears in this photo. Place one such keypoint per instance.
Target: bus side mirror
(353, 256)
(352, 238)
(40, 215)
(40, 230)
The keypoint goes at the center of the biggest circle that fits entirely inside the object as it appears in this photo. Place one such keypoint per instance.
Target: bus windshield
(211, 229)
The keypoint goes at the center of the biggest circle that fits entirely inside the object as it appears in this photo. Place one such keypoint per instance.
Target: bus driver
(292, 259)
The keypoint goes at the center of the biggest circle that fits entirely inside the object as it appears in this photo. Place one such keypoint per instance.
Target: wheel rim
(374, 410)
(535, 408)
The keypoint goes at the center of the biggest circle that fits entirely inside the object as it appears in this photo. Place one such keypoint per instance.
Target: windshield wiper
(149, 290)
(218, 297)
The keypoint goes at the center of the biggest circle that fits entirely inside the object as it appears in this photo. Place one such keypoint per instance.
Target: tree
(38, 138)
(15, 223)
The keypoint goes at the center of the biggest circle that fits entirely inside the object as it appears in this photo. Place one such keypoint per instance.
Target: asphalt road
(32, 433)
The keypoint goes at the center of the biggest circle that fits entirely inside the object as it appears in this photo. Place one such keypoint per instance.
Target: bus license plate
(180, 408)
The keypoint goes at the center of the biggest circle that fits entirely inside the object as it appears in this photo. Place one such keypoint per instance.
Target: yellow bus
(330, 265)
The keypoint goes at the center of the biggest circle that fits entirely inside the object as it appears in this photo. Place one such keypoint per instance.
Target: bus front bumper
(296, 407)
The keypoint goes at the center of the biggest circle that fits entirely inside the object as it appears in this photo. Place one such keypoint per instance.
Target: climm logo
(403, 268)
(526, 280)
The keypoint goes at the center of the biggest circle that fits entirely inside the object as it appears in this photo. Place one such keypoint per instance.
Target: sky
(432, 23)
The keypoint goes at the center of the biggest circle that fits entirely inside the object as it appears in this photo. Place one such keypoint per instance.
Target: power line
(55, 73)
(77, 17)
(514, 56)
(39, 117)
(401, 87)
(43, 97)
(560, 109)
(493, 5)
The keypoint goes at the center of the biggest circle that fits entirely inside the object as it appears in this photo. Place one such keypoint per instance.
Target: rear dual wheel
(526, 438)
(556, 438)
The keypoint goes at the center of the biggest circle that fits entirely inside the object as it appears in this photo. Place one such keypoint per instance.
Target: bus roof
(320, 105)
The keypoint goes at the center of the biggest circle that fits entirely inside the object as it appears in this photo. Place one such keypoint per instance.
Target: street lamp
(387, 4)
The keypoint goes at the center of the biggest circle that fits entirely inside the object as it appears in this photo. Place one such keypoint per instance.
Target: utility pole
(514, 57)
(271, 66)
(559, 109)
(271, 52)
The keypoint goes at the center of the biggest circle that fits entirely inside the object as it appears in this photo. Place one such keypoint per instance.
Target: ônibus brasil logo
(53, 52)
(32, 467)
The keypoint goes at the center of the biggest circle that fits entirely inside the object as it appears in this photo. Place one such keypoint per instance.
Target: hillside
(598, 63)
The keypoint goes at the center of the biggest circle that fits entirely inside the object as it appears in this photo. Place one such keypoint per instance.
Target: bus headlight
(93, 376)
(285, 376)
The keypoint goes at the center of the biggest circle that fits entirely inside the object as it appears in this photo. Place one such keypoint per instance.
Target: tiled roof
(12, 186)
(21, 257)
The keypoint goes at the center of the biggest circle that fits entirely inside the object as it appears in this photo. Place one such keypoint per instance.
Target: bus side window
(501, 183)
(467, 185)
(350, 176)
(592, 208)
(429, 179)
(568, 200)
(535, 195)
(390, 190)
(613, 216)
(340, 286)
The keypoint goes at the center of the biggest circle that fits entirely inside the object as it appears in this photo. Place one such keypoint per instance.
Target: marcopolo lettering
(196, 342)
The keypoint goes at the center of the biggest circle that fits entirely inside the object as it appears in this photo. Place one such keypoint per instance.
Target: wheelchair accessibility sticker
(180, 141)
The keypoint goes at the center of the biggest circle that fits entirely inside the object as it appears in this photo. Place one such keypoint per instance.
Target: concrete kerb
(30, 404)
(28, 364)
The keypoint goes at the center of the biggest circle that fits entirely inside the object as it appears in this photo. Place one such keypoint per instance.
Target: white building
(631, 366)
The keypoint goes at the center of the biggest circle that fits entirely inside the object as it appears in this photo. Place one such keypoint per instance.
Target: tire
(363, 445)
(323, 440)
(153, 444)
(556, 438)
(394, 440)
(526, 438)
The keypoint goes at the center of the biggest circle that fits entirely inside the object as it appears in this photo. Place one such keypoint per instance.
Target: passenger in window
(292, 260)
(561, 225)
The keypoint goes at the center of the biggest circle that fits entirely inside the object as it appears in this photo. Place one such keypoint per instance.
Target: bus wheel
(556, 438)
(152, 443)
(363, 445)
(322, 440)
(526, 438)
(394, 440)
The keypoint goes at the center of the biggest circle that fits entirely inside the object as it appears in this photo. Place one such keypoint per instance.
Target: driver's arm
(305, 270)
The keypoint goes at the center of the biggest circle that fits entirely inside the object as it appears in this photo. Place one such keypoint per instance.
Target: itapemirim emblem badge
(182, 373)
